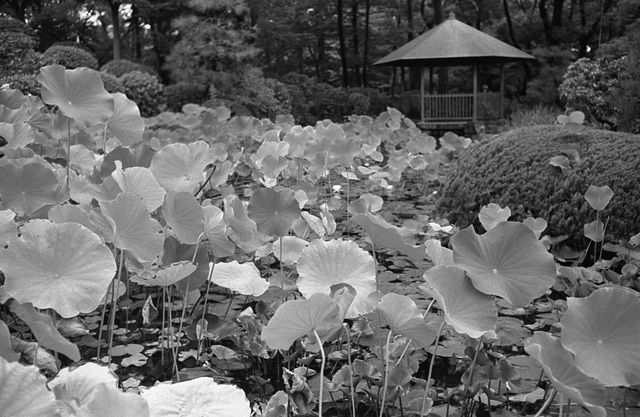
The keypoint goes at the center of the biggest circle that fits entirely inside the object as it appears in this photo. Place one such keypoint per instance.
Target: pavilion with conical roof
(454, 43)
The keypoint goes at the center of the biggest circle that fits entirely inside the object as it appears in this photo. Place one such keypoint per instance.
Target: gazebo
(453, 43)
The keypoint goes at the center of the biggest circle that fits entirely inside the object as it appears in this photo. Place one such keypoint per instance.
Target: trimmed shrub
(111, 83)
(178, 95)
(69, 56)
(513, 170)
(120, 67)
(27, 83)
(16, 43)
(145, 90)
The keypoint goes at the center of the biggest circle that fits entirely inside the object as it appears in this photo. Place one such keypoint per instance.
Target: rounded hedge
(145, 90)
(120, 67)
(111, 83)
(178, 95)
(514, 170)
(70, 57)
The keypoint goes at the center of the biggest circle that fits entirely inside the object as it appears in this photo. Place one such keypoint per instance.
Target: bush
(111, 83)
(69, 56)
(178, 95)
(145, 90)
(586, 85)
(120, 67)
(16, 43)
(27, 83)
(513, 170)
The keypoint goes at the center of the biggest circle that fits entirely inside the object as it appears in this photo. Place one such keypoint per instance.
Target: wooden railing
(451, 107)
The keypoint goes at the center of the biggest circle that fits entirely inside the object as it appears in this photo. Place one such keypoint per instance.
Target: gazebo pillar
(475, 93)
(501, 90)
(421, 94)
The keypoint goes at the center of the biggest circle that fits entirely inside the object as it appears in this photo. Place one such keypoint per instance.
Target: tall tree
(343, 44)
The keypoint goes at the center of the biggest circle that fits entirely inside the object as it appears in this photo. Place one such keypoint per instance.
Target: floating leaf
(273, 211)
(466, 309)
(404, 318)
(197, 397)
(141, 182)
(598, 197)
(492, 214)
(507, 261)
(45, 331)
(324, 264)
(566, 377)
(125, 123)
(135, 230)
(184, 215)
(43, 268)
(603, 334)
(180, 167)
(242, 278)
(28, 188)
(366, 203)
(23, 392)
(594, 231)
(78, 93)
(297, 318)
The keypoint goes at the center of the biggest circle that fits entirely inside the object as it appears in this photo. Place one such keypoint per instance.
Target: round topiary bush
(27, 83)
(69, 57)
(145, 90)
(178, 95)
(111, 83)
(514, 170)
(120, 67)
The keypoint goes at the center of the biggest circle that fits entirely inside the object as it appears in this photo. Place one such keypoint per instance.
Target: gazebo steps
(439, 128)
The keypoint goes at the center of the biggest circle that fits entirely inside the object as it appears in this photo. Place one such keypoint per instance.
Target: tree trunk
(556, 20)
(365, 58)
(356, 42)
(514, 40)
(114, 6)
(544, 16)
(586, 36)
(343, 47)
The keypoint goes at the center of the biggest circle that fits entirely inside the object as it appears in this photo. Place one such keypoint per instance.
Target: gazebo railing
(453, 106)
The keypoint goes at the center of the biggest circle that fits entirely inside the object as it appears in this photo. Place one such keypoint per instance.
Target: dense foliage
(514, 170)
(145, 90)
(69, 56)
(120, 67)
(179, 94)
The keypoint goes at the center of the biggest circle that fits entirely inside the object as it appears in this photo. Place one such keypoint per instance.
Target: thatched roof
(453, 43)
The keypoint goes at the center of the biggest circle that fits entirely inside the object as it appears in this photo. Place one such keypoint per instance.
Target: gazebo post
(475, 93)
(502, 89)
(421, 94)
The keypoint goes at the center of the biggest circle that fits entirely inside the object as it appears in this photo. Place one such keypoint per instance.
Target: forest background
(313, 58)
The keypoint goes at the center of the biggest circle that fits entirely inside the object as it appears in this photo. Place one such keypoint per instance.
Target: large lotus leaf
(215, 229)
(492, 214)
(184, 214)
(17, 135)
(438, 254)
(78, 93)
(242, 278)
(6, 352)
(198, 397)
(140, 181)
(466, 309)
(404, 318)
(180, 167)
(125, 123)
(91, 390)
(273, 211)
(323, 264)
(167, 275)
(61, 266)
(134, 229)
(23, 391)
(28, 188)
(236, 217)
(45, 331)
(603, 332)
(175, 251)
(297, 318)
(385, 235)
(507, 261)
(8, 228)
(559, 366)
